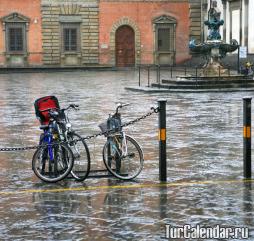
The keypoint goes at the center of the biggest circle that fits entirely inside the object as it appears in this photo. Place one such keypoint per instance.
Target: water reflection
(248, 205)
(56, 211)
(204, 143)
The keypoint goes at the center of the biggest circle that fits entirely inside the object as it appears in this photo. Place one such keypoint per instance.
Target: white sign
(243, 52)
(104, 46)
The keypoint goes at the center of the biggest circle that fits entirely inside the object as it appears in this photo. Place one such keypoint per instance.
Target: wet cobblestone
(204, 144)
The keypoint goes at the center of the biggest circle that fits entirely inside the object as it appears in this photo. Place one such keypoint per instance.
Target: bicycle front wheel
(123, 157)
(81, 155)
(52, 163)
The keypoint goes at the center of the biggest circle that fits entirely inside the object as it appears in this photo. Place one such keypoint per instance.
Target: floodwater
(204, 146)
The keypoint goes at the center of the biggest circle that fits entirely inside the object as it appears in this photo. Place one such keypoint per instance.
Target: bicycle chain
(11, 149)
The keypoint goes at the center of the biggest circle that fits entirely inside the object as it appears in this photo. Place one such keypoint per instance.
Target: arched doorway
(125, 46)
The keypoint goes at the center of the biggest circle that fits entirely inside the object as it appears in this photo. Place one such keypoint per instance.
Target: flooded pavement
(204, 146)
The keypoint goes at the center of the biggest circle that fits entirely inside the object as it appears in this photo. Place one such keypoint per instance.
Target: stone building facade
(70, 30)
(20, 33)
(146, 32)
(196, 19)
(239, 19)
(59, 33)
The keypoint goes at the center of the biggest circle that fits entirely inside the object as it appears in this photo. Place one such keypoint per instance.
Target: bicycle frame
(115, 143)
(61, 128)
(48, 139)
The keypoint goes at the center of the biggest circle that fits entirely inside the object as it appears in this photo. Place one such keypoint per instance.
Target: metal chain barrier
(11, 149)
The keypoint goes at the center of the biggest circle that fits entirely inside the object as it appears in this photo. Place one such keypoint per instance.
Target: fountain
(213, 76)
(214, 48)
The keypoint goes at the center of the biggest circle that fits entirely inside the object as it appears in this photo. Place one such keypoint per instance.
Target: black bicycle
(122, 155)
(52, 161)
(77, 144)
(49, 113)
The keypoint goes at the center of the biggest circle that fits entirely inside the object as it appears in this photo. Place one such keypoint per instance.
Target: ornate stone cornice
(71, 9)
(15, 18)
(87, 3)
(164, 19)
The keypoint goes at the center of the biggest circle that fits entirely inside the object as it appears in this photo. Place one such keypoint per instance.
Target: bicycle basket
(47, 102)
(112, 123)
(103, 126)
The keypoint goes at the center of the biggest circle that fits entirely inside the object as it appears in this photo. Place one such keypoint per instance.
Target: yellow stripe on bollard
(162, 134)
(246, 132)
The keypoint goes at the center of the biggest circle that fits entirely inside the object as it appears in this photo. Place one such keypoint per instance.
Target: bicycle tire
(62, 163)
(127, 168)
(81, 166)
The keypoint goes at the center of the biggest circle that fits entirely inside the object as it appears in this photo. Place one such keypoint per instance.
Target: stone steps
(189, 90)
(203, 86)
(208, 83)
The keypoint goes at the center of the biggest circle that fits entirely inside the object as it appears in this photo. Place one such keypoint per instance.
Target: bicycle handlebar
(71, 106)
(119, 106)
(49, 109)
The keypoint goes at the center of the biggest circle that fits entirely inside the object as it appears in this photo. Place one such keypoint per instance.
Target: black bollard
(162, 141)
(247, 137)
(171, 72)
(159, 73)
(148, 76)
(139, 75)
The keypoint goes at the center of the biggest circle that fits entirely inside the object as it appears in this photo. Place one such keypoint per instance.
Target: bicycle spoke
(126, 158)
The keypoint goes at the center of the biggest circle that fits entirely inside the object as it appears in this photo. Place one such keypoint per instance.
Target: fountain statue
(214, 48)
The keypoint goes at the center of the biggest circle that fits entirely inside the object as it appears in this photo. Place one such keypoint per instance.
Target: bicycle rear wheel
(52, 165)
(81, 155)
(122, 165)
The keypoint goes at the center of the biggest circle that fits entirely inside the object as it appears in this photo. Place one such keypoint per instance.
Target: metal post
(171, 72)
(159, 75)
(219, 71)
(196, 75)
(247, 137)
(185, 71)
(157, 81)
(238, 60)
(162, 141)
(139, 76)
(148, 76)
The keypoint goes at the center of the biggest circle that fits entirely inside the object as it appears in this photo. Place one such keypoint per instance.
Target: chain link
(105, 133)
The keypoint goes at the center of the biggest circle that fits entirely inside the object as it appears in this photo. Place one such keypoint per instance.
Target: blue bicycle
(52, 161)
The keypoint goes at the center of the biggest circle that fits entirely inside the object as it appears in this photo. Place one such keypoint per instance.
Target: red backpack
(42, 104)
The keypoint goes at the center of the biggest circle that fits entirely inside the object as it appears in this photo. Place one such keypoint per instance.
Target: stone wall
(30, 9)
(195, 20)
(55, 11)
(139, 15)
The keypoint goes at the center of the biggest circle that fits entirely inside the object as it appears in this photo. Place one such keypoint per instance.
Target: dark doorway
(125, 46)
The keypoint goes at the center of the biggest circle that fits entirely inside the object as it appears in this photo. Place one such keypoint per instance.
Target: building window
(15, 39)
(71, 37)
(15, 27)
(164, 39)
